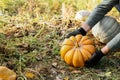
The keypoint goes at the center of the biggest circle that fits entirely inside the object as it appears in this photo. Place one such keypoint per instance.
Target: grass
(31, 33)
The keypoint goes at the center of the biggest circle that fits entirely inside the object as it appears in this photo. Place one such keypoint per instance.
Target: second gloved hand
(78, 31)
(95, 58)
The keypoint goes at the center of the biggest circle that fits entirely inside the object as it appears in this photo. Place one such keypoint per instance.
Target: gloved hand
(78, 31)
(95, 58)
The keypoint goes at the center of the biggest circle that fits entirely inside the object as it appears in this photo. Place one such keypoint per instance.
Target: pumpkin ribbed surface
(76, 50)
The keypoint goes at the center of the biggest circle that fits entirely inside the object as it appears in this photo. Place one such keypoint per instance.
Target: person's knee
(106, 29)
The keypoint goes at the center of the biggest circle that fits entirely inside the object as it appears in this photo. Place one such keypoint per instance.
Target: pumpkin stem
(77, 45)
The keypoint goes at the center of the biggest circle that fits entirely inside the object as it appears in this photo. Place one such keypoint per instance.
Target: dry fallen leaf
(54, 64)
(7, 74)
(29, 75)
(66, 78)
(76, 72)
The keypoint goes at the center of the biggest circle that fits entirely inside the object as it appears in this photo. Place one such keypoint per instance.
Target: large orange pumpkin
(76, 50)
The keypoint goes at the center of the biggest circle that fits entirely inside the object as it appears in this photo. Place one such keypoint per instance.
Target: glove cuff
(100, 53)
(82, 31)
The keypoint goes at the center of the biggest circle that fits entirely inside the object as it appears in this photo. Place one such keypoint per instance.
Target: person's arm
(96, 15)
(99, 12)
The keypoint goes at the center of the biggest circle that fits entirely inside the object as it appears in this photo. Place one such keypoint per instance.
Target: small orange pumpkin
(7, 74)
(76, 50)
